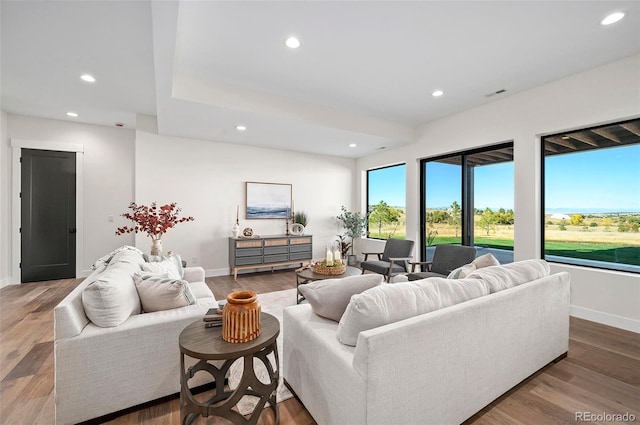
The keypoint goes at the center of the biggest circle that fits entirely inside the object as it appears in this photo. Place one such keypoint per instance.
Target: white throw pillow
(174, 258)
(486, 260)
(159, 293)
(462, 271)
(509, 275)
(112, 297)
(399, 278)
(329, 298)
(386, 304)
(166, 266)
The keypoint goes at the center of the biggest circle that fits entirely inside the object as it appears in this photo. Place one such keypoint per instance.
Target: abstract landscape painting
(268, 200)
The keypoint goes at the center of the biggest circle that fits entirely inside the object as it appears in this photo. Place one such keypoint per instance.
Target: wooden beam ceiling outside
(633, 127)
(608, 136)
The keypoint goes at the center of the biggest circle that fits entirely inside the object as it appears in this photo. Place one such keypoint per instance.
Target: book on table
(213, 315)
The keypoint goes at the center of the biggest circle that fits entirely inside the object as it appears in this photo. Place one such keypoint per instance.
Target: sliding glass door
(467, 199)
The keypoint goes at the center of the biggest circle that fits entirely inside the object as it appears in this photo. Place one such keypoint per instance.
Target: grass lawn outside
(601, 243)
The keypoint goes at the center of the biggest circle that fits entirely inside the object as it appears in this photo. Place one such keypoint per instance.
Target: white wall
(604, 94)
(5, 203)
(207, 179)
(107, 167)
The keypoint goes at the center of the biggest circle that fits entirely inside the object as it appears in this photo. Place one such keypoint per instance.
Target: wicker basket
(321, 268)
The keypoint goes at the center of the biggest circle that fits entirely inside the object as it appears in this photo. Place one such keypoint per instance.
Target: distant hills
(591, 210)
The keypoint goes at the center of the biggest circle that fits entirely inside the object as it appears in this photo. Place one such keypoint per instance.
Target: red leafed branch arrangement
(153, 220)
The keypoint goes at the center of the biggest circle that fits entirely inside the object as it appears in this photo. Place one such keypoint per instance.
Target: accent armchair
(446, 258)
(395, 258)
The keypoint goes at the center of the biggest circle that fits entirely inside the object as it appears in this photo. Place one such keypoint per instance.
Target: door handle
(72, 230)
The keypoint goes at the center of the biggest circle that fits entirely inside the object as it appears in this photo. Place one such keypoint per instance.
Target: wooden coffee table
(308, 275)
(206, 344)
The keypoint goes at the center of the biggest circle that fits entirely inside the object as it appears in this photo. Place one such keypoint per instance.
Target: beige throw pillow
(159, 293)
(387, 304)
(329, 298)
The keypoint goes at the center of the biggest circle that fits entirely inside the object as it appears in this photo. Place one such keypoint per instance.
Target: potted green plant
(355, 225)
(301, 217)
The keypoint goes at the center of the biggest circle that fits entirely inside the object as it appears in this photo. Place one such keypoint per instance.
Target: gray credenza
(268, 251)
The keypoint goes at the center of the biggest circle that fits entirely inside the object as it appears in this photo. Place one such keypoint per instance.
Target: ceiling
(364, 73)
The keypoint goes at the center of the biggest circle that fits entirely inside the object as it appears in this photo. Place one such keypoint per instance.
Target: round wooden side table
(206, 344)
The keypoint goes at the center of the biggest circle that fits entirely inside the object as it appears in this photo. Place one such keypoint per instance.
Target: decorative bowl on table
(321, 267)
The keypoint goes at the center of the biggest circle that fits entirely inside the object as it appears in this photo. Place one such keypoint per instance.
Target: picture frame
(268, 200)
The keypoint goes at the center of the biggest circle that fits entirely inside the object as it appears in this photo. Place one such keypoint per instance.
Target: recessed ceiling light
(88, 78)
(612, 19)
(352, 145)
(292, 42)
(241, 127)
(437, 93)
(72, 114)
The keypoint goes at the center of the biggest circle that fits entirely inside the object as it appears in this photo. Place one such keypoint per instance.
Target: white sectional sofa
(101, 370)
(439, 367)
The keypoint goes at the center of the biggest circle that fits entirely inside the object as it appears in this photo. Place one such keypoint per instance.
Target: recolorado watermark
(604, 417)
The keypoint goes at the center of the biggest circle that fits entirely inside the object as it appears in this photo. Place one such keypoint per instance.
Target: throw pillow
(461, 271)
(112, 297)
(166, 266)
(486, 260)
(329, 298)
(159, 293)
(174, 258)
(509, 275)
(387, 304)
(399, 278)
(104, 260)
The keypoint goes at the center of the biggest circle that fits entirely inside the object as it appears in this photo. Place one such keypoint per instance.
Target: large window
(591, 202)
(386, 197)
(467, 199)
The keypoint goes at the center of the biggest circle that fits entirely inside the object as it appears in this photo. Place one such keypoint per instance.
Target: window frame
(572, 261)
(399, 164)
(466, 194)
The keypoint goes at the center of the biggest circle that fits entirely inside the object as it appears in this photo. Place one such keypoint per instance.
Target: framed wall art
(268, 200)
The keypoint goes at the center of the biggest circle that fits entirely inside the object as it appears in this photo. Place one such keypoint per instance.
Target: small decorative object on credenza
(247, 232)
(154, 221)
(241, 317)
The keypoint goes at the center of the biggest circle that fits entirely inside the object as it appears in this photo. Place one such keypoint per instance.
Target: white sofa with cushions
(433, 351)
(130, 356)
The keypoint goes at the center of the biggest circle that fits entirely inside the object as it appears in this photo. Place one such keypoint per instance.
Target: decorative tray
(321, 268)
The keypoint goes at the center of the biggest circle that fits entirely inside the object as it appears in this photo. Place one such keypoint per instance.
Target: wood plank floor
(600, 374)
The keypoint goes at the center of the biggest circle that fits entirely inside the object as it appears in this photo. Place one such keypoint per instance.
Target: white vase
(156, 246)
(235, 230)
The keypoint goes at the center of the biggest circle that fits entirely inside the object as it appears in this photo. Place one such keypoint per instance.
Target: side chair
(446, 258)
(393, 260)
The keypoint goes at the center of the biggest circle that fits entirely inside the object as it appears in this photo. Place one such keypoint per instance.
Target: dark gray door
(48, 204)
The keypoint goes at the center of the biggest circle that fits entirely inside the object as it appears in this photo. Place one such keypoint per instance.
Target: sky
(389, 185)
(593, 180)
(604, 180)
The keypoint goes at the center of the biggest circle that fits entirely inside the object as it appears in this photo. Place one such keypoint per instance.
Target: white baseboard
(6, 281)
(605, 318)
(216, 272)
